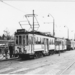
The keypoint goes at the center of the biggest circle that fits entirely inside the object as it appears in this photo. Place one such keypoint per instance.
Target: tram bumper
(23, 56)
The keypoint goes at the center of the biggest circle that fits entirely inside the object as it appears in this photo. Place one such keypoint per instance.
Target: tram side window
(20, 39)
(26, 39)
(16, 39)
(37, 40)
(30, 40)
(64, 42)
(50, 41)
(42, 40)
(53, 41)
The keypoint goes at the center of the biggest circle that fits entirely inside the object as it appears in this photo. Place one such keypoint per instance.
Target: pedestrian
(11, 50)
(6, 51)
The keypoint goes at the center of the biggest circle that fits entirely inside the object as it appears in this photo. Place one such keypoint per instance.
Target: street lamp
(67, 32)
(74, 36)
(53, 30)
(53, 24)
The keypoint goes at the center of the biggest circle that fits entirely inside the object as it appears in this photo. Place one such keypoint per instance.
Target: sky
(62, 13)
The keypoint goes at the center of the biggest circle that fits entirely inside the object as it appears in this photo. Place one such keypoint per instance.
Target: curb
(8, 59)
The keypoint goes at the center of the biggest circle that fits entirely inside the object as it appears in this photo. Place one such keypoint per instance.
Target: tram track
(50, 61)
(47, 63)
(37, 65)
(67, 68)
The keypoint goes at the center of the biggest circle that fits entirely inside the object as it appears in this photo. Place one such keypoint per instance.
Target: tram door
(47, 45)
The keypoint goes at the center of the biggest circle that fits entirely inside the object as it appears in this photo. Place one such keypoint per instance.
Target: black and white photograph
(37, 37)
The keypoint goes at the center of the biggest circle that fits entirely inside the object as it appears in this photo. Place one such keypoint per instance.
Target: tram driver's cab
(21, 42)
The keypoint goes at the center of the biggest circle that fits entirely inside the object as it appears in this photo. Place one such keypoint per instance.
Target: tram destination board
(21, 30)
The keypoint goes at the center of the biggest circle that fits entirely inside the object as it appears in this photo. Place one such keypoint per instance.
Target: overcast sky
(12, 12)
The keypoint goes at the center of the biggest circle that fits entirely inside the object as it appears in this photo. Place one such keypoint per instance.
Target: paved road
(52, 65)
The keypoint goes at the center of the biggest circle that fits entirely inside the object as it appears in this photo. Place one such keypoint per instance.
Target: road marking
(35, 71)
(72, 72)
(19, 70)
(5, 69)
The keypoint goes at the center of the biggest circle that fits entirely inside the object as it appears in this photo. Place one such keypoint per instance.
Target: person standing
(6, 51)
(11, 50)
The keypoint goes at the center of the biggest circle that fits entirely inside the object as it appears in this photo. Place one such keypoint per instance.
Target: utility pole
(53, 24)
(33, 32)
(33, 21)
(74, 36)
(53, 27)
(53, 30)
(68, 33)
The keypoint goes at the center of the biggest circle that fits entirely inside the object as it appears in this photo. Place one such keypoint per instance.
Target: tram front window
(20, 39)
(23, 40)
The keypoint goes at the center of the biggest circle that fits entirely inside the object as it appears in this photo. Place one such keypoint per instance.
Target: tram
(36, 43)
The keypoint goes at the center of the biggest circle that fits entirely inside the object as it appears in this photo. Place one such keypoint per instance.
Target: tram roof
(31, 32)
(23, 31)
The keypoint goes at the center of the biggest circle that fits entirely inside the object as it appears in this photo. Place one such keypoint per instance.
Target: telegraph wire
(45, 0)
(20, 11)
(11, 6)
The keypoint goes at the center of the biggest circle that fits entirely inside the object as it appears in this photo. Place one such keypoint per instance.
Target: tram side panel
(42, 44)
(72, 44)
(37, 43)
(60, 44)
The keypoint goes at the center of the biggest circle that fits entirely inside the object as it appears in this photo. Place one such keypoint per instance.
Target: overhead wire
(11, 6)
(3, 1)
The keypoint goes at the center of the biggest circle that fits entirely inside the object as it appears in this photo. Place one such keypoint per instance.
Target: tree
(3, 37)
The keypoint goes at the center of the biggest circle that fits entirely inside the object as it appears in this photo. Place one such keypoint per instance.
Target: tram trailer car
(72, 44)
(60, 44)
(37, 44)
